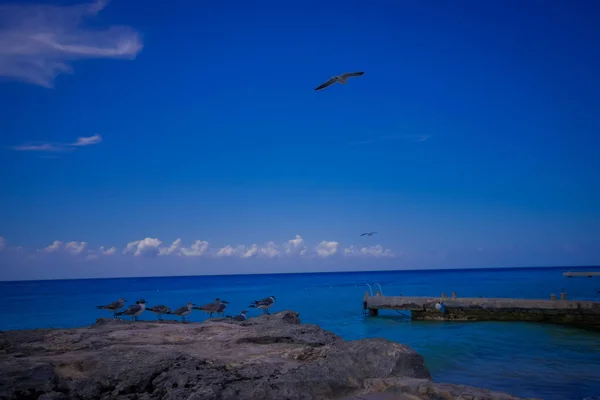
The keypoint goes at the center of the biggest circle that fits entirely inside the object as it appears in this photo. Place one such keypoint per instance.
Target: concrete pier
(585, 314)
(571, 274)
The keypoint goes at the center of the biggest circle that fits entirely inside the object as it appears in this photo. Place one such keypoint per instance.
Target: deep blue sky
(214, 132)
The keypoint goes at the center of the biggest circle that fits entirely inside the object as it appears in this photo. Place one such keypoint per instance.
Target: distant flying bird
(114, 306)
(368, 233)
(339, 78)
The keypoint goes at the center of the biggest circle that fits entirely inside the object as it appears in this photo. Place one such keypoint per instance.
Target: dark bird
(135, 310)
(339, 79)
(264, 304)
(114, 306)
(222, 307)
(369, 233)
(182, 311)
(240, 317)
(159, 311)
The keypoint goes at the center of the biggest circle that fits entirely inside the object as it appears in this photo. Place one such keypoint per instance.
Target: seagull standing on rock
(183, 311)
(212, 308)
(159, 311)
(339, 79)
(135, 310)
(114, 306)
(264, 304)
(241, 317)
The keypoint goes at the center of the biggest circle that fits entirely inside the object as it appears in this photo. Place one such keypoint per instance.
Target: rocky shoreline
(271, 357)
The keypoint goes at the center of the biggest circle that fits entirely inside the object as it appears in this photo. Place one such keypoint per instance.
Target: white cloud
(270, 250)
(326, 249)
(86, 141)
(37, 41)
(54, 247)
(374, 251)
(58, 147)
(2, 243)
(228, 251)
(144, 247)
(295, 246)
(173, 248)
(75, 247)
(107, 252)
(151, 247)
(198, 248)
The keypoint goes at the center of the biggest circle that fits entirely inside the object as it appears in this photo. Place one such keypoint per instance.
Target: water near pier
(549, 362)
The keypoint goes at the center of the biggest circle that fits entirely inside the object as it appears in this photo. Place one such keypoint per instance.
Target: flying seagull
(339, 78)
(264, 304)
(182, 311)
(159, 311)
(241, 317)
(135, 310)
(368, 233)
(114, 306)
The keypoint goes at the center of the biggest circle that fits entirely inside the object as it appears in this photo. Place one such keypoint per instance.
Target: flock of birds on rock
(216, 307)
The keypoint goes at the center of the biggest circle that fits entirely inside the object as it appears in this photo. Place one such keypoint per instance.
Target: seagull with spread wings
(368, 233)
(343, 78)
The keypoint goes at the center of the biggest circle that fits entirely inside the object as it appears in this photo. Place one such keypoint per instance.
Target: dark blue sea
(525, 359)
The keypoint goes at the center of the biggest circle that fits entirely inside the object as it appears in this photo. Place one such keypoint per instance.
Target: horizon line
(308, 272)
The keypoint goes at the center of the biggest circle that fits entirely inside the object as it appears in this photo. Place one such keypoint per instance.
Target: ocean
(524, 359)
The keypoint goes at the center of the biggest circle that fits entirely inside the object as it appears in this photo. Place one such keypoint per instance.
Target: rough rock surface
(268, 357)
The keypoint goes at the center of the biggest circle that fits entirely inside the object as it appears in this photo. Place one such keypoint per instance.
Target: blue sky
(470, 141)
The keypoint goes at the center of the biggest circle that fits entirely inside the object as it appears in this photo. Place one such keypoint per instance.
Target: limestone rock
(268, 357)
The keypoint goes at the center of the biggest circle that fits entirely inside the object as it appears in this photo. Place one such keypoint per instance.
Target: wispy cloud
(37, 41)
(86, 141)
(411, 138)
(360, 142)
(59, 147)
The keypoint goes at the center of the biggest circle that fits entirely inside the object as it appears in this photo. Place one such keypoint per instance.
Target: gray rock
(268, 357)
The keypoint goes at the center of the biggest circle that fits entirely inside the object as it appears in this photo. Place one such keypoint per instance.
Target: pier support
(373, 312)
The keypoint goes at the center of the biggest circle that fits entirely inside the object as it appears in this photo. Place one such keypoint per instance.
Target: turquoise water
(525, 359)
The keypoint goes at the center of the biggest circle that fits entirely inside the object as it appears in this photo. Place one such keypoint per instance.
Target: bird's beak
(224, 301)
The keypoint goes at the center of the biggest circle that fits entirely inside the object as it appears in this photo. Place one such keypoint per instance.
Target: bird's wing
(331, 81)
(363, 234)
(352, 74)
(180, 310)
(134, 308)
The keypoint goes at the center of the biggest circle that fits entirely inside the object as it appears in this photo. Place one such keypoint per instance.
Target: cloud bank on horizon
(154, 247)
(38, 41)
